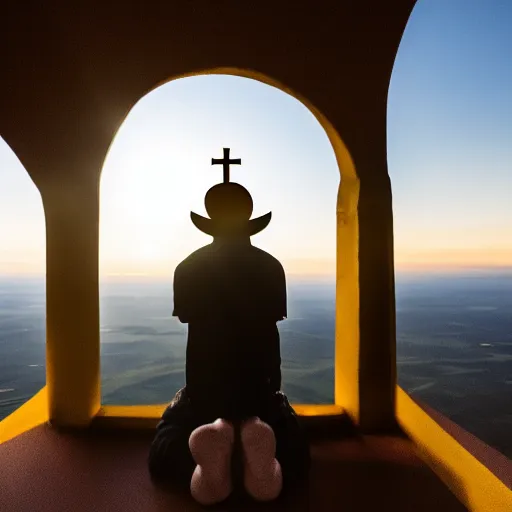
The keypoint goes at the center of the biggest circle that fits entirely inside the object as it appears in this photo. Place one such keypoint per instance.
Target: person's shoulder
(272, 261)
(193, 259)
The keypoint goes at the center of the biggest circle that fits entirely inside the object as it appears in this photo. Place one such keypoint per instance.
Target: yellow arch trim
(346, 358)
(32, 413)
(473, 484)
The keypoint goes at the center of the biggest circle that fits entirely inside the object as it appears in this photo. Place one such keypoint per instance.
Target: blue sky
(450, 126)
(449, 154)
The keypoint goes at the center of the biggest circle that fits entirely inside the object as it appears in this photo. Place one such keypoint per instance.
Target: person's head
(229, 206)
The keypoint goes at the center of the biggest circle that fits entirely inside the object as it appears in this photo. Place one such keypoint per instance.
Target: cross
(226, 161)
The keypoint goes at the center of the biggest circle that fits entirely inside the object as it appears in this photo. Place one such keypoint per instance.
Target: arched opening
(449, 160)
(22, 285)
(161, 160)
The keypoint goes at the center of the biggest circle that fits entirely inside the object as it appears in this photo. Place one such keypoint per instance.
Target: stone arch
(346, 213)
(62, 130)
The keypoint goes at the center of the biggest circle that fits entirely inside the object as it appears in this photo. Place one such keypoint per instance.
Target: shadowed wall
(73, 71)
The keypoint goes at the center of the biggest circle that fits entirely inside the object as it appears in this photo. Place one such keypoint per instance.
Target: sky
(449, 158)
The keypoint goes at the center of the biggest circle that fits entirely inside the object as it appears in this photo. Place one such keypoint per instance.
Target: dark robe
(231, 295)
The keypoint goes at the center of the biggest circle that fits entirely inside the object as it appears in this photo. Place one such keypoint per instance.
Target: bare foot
(211, 447)
(263, 478)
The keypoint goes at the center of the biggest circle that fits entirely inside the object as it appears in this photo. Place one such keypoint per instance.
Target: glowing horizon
(295, 269)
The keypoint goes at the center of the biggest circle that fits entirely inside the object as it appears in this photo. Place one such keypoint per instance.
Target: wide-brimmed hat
(229, 206)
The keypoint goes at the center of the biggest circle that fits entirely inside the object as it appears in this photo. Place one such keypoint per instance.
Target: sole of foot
(211, 447)
(263, 478)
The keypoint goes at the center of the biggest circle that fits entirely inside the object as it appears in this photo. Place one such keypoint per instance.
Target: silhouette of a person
(231, 294)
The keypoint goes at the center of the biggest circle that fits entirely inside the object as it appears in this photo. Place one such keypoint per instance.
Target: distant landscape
(132, 316)
(454, 336)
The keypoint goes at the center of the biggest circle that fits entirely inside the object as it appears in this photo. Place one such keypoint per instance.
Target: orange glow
(453, 259)
(310, 267)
